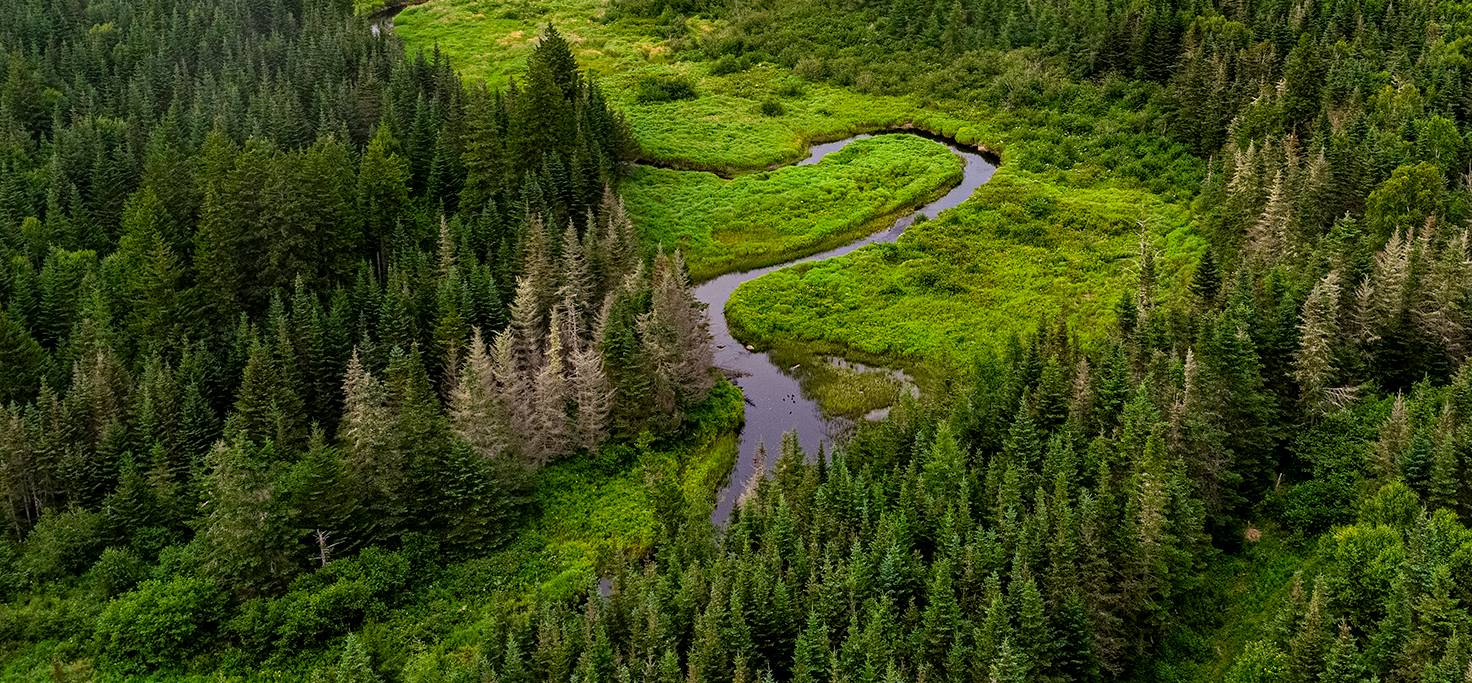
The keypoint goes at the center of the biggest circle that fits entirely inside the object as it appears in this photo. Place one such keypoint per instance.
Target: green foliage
(339, 597)
(355, 666)
(158, 625)
(167, 175)
(63, 543)
(117, 571)
(1019, 249)
(1260, 663)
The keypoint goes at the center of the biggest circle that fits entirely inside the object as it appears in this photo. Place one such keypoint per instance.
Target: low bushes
(159, 624)
(669, 88)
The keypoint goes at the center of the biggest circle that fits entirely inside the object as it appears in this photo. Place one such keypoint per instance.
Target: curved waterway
(775, 403)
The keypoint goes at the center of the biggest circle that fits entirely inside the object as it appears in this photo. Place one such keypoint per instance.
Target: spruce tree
(1318, 332)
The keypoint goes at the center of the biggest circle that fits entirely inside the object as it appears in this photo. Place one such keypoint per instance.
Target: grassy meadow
(756, 117)
(1020, 249)
(757, 219)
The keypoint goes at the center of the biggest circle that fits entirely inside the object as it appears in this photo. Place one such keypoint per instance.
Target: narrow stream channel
(775, 403)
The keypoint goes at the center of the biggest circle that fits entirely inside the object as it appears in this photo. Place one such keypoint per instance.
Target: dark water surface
(775, 403)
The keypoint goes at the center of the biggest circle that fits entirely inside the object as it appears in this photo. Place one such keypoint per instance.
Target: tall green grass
(1243, 595)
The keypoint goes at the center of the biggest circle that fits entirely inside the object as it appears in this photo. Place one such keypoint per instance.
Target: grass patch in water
(844, 392)
(842, 387)
(759, 219)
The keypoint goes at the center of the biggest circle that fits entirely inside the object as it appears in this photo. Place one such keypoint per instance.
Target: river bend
(775, 403)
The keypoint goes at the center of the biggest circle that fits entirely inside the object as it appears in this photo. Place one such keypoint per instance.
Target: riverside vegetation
(320, 362)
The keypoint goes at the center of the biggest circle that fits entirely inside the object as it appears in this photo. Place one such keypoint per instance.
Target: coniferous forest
(361, 342)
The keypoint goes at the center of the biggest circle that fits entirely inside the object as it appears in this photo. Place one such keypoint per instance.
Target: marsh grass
(852, 394)
(850, 384)
(1022, 248)
(758, 219)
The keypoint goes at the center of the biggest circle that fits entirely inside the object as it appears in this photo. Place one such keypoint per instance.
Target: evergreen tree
(355, 665)
(1318, 331)
(248, 541)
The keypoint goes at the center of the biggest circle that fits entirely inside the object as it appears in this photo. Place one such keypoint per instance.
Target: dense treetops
(288, 317)
(1310, 374)
(276, 297)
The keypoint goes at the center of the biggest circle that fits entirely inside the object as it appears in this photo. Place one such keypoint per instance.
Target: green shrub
(327, 603)
(1259, 663)
(790, 89)
(62, 544)
(1316, 505)
(771, 107)
(117, 570)
(811, 68)
(668, 88)
(728, 64)
(158, 625)
(1394, 505)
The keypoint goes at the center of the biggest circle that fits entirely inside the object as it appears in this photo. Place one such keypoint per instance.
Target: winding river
(775, 403)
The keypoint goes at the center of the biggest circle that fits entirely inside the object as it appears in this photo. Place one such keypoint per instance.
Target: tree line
(276, 295)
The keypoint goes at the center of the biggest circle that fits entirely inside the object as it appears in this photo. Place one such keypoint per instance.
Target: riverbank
(777, 403)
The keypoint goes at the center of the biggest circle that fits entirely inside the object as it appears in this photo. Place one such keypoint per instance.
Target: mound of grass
(1021, 248)
(764, 218)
